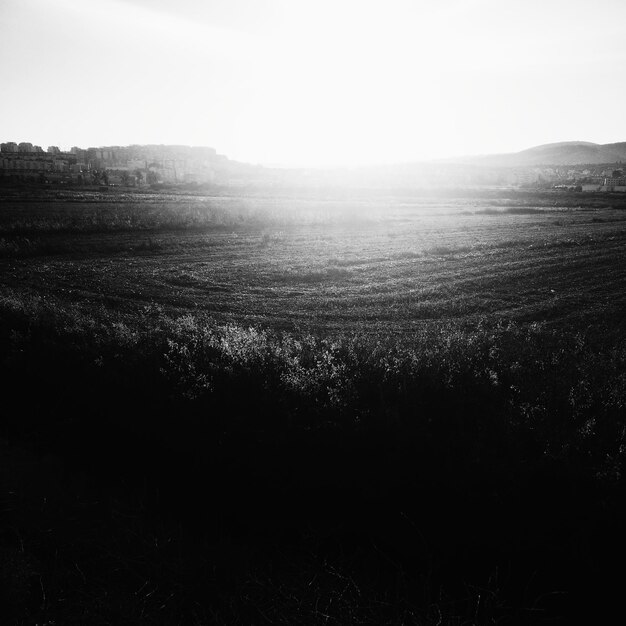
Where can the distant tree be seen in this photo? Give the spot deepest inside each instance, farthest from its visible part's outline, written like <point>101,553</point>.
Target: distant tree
<point>139,174</point>
<point>152,178</point>
<point>125,178</point>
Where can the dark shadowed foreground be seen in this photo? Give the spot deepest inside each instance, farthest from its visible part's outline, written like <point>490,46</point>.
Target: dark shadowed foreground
<point>384,416</point>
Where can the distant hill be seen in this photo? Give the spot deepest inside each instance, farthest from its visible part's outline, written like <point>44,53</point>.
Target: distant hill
<point>562,153</point>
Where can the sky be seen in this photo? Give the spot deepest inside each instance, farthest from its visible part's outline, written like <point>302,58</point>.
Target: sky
<point>314,83</point>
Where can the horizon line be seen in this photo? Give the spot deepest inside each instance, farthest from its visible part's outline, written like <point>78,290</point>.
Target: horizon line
<point>326,166</point>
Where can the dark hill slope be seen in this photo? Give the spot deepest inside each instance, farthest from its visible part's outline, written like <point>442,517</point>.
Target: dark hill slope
<point>563,153</point>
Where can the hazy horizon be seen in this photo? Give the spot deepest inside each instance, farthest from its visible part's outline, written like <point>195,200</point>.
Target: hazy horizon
<point>321,166</point>
<point>321,84</point>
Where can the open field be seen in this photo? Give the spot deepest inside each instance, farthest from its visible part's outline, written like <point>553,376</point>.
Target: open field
<point>331,410</point>
<point>365,264</point>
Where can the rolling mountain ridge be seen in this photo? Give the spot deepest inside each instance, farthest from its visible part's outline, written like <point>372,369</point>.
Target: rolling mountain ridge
<point>561,153</point>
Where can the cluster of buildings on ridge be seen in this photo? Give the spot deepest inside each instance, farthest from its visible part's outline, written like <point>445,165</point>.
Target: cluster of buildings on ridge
<point>117,165</point>
<point>135,166</point>
<point>587,178</point>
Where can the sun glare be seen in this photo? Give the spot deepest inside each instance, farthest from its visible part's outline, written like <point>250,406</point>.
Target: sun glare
<point>324,83</point>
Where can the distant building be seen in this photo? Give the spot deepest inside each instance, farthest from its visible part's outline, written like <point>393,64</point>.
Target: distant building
<point>615,184</point>
<point>592,187</point>
<point>134,165</point>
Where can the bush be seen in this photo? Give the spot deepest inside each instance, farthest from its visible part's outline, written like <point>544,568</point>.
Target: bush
<point>414,468</point>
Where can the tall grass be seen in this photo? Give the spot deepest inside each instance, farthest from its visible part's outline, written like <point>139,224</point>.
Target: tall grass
<point>394,473</point>
<point>565,390</point>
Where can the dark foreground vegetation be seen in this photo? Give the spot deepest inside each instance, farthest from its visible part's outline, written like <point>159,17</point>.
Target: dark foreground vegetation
<point>179,472</point>
<point>162,467</point>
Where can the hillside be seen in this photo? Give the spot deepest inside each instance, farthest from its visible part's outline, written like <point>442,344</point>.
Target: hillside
<point>562,153</point>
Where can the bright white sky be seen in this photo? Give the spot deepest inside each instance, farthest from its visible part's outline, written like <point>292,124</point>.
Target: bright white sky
<point>314,82</point>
